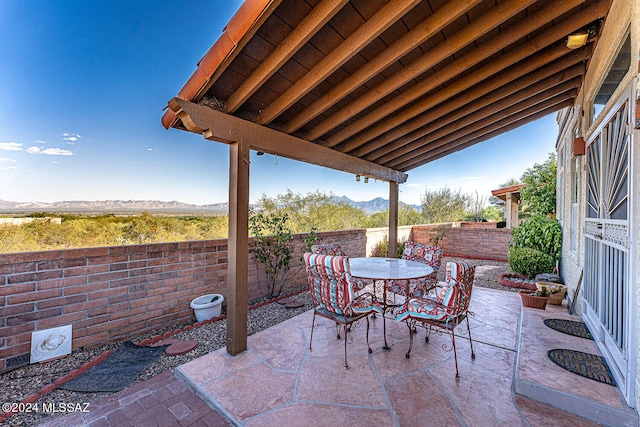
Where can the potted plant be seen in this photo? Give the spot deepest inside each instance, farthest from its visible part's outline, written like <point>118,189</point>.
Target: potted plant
<point>537,299</point>
<point>557,290</point>
<point>207,306</point>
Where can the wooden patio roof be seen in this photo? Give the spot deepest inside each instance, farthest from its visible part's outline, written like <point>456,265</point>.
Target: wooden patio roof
<point>375,88</point>
<point>379,87</point>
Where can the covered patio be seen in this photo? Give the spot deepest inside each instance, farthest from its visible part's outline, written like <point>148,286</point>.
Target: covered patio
<point>376,88</point>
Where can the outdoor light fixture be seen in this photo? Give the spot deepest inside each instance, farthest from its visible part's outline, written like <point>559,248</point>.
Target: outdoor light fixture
<point>577,40</point>
<point>358,178</point>
<point>366,179</point>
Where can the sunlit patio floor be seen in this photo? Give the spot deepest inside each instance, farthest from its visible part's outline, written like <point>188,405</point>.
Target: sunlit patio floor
<point>278,381</point>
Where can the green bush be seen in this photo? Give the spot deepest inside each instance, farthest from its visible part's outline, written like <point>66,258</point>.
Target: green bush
<point>540,233</point>
<point>530,262</point>
<point>380,250</point>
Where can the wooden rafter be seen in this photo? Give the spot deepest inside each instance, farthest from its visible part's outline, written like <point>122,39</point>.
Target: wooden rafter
<point>496,128</point>
<point>535,114</point>
<point>430,26</point>
<point>360,38</point>
<point>473,58</point>
<point>454,130</point>
<point>318,17</point>
<point>460,94</point>
<point>444,50</point>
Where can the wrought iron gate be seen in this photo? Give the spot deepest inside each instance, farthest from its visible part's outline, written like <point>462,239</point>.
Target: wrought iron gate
<point>607,283</point>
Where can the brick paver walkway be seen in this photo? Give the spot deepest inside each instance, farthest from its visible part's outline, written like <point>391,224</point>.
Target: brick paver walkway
<point>161,401</point>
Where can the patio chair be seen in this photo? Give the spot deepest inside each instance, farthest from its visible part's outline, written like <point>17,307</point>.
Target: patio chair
<point>334,297</point>
<point>446,310</point>
<point>328,249</point>
<point>430,255</point>
<point>335,249</point>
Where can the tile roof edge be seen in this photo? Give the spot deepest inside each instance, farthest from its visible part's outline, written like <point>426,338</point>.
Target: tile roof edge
<point>246,16</point>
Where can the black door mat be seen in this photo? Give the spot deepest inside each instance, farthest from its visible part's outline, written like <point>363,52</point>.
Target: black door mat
<point>584,364</point>
<point>117,371</point>
<point>571,327</point>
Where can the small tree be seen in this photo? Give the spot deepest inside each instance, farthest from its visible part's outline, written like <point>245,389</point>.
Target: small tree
<point>272,248</point>
<point>444,205</point>
<point>540,192</point>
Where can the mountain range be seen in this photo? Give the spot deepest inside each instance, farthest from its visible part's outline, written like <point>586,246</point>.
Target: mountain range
<point>154,206</point>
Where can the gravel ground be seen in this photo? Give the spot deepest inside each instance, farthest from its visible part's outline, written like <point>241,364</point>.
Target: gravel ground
<point>30,379</point>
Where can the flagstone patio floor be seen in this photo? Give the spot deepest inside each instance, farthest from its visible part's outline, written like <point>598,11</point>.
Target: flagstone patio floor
<point>278,381</point>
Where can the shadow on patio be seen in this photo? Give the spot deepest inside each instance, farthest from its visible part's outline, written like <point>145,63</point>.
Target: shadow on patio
<point>278,381</point>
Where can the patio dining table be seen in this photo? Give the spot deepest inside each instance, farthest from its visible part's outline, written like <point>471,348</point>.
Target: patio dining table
<point>379,271</point>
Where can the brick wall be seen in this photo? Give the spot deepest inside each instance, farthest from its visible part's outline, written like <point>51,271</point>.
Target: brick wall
<point>110,293</point>
<point>114,292</point>
<point>467,242</point>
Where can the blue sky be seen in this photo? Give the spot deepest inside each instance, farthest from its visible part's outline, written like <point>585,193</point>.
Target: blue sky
<point>82,89</point>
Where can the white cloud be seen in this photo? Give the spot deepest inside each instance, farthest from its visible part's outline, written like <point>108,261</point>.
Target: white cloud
<point>41,141</point>
<point>49,151</point>
<point>6,160</point>
<point>10,146</point>
<point>149,149</point>
<point>70,137</point>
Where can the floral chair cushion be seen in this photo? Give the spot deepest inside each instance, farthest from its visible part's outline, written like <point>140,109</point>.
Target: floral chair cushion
<point>332,288</point>
<point>328,249</point>
<point>451,302</point>
<point>430,255</point>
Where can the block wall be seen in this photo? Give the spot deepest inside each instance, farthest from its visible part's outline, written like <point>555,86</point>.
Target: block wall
<point>473,242</point>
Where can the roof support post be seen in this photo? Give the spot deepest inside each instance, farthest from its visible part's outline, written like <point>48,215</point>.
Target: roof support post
<point>238,249</point>
<point>392,251</point>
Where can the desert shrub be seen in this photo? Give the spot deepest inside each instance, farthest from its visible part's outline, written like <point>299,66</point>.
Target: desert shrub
<point>272,247</point>
<point>380,250</point>
<point>530,262</point>
<point>540,233</point>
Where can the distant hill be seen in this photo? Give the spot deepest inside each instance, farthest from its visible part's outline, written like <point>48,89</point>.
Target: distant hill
<point>372,206</point>
<point>154,206</point>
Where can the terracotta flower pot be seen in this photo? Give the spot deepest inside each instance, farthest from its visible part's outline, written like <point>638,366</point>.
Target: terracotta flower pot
<point>529,299</point>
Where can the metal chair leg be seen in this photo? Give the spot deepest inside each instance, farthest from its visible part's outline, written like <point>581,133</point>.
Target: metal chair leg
<point>368,345</point>
<point>408,355</point>
<point>346,365</point>
<point>473,355</point>
<point>313,325</point>
<point>455,356</point>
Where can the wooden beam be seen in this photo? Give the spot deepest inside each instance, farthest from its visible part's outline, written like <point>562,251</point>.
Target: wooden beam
<point>371,29</point>
<point>474,57</point>
<point>479,113</point>
<point>445,50</point>
<point>222,127</point>
<point>238,248</point>
<point>392,249</point>
<point>484,124</point>
<point>505,124</point>
<point>461,145</point>
<point>319,16</point>
<point>422,32</point>
<point>449,99</point>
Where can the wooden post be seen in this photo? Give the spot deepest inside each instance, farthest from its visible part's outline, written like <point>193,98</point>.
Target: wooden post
<point>238,250</point>
<point>508,209</point>
<point>392,251</point>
